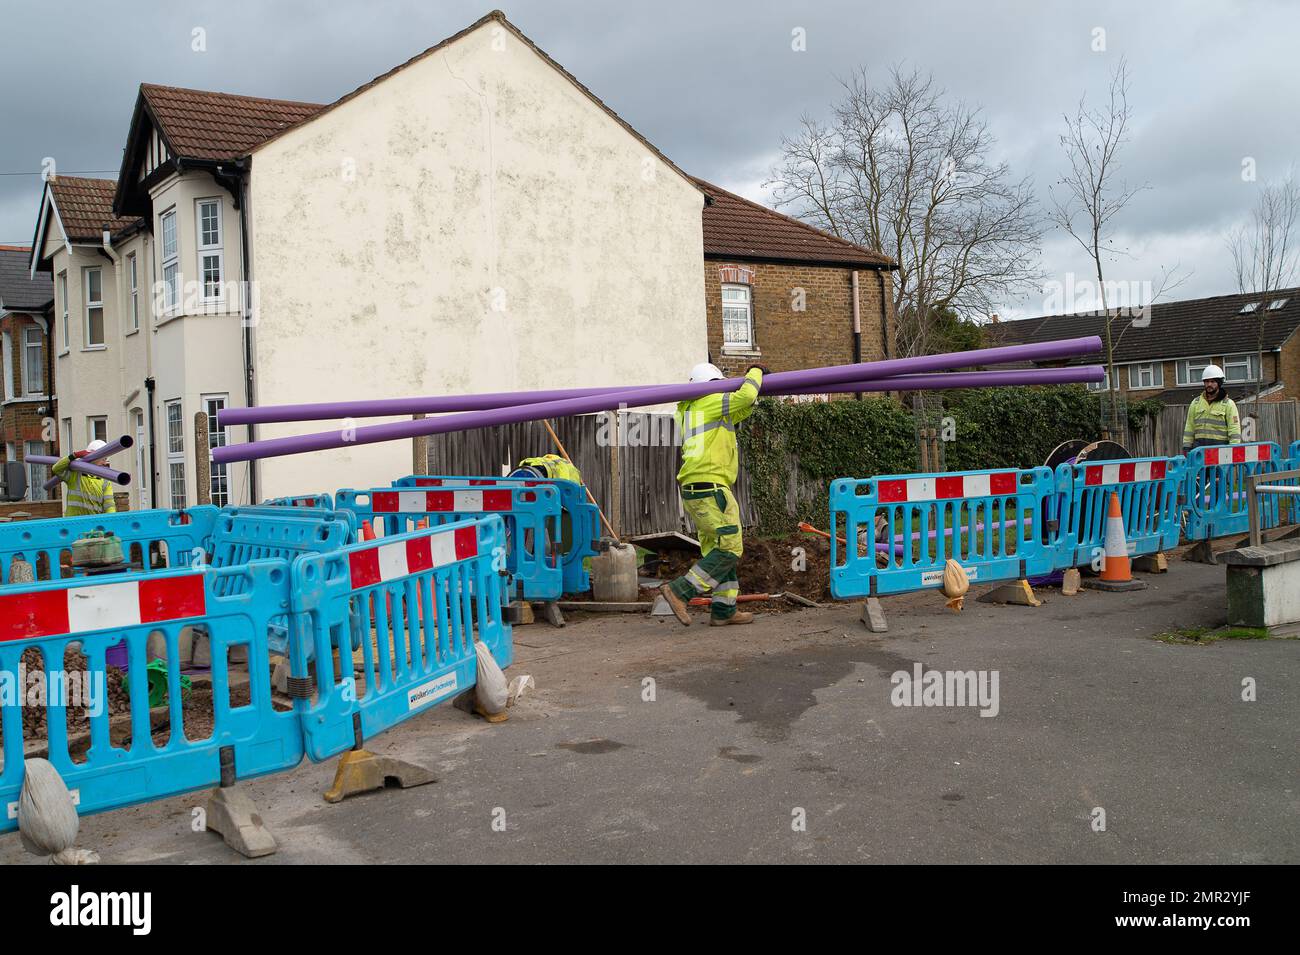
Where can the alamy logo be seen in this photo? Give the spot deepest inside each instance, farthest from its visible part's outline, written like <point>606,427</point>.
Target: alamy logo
<point>924,687</point>
<point>74,907</point>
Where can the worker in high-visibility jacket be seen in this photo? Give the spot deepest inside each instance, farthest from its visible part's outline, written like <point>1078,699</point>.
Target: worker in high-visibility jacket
<point>84,493</point>
<point>709,465</point>
<point>1212,416</point>
<point>552,466</point>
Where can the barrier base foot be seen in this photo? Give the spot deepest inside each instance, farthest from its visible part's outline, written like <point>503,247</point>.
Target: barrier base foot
<point>233,816</point>
<point>553,614</point>
<point>1017,592</point>
<point>1152,563</point>
<point>523,612</point>
<point>1115,586</point>
<point>1202,553</point>
<point>360,771</point>
<point>873,615</point>
<point>1071,581</point>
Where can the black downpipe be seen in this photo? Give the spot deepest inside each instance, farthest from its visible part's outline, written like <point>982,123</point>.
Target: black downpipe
<point>149,384</point>
<point>238,186</point>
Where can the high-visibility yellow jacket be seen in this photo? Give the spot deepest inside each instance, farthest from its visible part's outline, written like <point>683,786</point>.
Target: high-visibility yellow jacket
<point>554,466</point>
<point>83,493</point>
<point>1214,422</point>
<point>709,432</point>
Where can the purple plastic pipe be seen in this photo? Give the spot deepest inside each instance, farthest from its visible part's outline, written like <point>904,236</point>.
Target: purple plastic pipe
<point>776,383</point>
<point>813,378</point>
<point>960,379</point>
<point>85,467</point>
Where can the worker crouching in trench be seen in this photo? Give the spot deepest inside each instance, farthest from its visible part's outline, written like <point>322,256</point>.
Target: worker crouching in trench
<point>709,467</point>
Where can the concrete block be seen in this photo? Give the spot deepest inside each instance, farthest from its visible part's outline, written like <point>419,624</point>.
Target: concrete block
<point>231,813</point>
<point>1151,563</point>
<point>1016,592</point>
<point>553,614</point>
<point>873,615</point>
<point>525,611</point>
<point>1071,582</point>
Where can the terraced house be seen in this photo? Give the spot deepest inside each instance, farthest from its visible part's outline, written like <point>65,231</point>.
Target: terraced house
<point>1161,355</point>
<point>473,220</point>
<point>28,403</point>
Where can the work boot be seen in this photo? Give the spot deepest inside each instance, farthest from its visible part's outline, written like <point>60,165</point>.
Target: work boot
<point>676,604</point>
<point>738,617</point>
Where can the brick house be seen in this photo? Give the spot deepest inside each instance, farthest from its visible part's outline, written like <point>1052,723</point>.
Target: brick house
<point>28,404</point>
<point>1162,353</point>
<point>788,296</point>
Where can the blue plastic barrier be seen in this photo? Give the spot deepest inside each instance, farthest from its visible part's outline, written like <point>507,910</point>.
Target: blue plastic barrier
<point>994,523</point>
<point>153,539</point>
<point>1148,490</point>
<point>531,516</point>
<point>302,500</point>
<point>128,764</point>
<point>577,542</point>
<point>1214,488</point>
<point>416,601</point>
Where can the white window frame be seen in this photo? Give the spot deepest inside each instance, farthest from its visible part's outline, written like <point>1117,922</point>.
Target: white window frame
<point>1104,384</point>
<point>175,452</point>
<point>37,366</point>
<point>37,474</point>
<point>169,260</point>
<point>91,430</point>
<point>734,305</point>
<point>8,346</point>
<point>63,305</point>
<point>91,303</point>
<point>133,276</point>
<point>141,455</point>
<point>209,250</point>
<point>1157,371</point>
<point>1277,303</point>
<point>218,474</point>
<point>1252,368</point>
<point>1183,371</point>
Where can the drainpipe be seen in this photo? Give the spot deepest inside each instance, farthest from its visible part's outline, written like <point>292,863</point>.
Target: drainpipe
<point>237,183</point>
<point>153,471</point>
<point>107,243</point>
<point>857,327</point>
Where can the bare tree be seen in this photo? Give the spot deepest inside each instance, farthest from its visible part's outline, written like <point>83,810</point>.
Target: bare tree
<point>904,170</point>
<point>1088,198</point>
<point>1266,254</point>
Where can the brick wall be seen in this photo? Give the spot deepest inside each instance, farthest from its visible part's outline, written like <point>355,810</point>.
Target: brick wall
<point>787,338</point>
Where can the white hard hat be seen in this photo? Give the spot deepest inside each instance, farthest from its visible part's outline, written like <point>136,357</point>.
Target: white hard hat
<point>1212,371</point>
<point>96,445</point>
<point>705,371</point>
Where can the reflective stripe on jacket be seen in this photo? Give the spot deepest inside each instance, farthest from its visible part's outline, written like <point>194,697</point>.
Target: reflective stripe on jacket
<point>708,428</point>
<point>1211,422</point>
<point>83,493</point>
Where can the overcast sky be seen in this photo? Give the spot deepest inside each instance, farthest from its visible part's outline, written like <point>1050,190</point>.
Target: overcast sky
<point>715,85</point>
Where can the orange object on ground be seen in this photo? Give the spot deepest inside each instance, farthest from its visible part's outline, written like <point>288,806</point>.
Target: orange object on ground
<point>809,529</point>
<point>1115,564</point>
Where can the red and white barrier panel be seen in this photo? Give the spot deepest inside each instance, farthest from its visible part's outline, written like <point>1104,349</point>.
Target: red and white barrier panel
<point>907,490</point>
<point>1238,454</point>
<point>452,502</point>
<point>1124,473</point>
<point>386,562</point>
<point>474,482</point>
<point>51,613</point>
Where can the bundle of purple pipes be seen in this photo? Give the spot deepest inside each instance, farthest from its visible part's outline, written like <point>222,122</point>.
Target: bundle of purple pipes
<point>490,410</point>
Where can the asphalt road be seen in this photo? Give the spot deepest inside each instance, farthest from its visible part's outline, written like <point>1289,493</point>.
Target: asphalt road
<point>778,742</point>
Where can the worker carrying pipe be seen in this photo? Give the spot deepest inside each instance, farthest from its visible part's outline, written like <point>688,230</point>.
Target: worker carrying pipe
<point>709,466</point>
<point>85,493</point>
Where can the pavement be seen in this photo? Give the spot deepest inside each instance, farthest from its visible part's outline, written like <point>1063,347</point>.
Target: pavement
<point>646,741</point>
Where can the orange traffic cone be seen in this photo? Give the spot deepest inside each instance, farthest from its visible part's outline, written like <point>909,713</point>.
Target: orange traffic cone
<point>1116,568</point>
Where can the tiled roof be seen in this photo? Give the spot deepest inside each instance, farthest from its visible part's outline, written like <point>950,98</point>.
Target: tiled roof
<point>735,228</point>
<point>18,290</point>
<point>200,124</point>
<point>1192,328</point>
<point>85,205</point>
